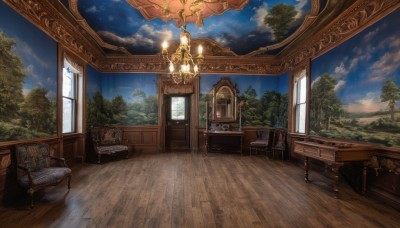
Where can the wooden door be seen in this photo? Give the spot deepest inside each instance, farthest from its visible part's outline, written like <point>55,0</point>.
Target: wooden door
<point>177,132</point>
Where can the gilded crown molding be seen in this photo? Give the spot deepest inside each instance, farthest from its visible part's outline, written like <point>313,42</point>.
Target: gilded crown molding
<point>357,17</point>
<point>50,20</point>
<point>219,60</point>
<point>211,65</point>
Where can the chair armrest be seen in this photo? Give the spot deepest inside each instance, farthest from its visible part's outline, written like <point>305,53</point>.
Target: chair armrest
<point>59,159</point>
<point>28,171</point>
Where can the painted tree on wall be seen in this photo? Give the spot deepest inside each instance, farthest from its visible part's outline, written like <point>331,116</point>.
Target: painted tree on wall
<point>11,79</point>
<point>270,110</point>
<point>22,116</point>
<point>38,111</point>
<point>325,106</point>
<point>391,94</point>
<point>143,111</point>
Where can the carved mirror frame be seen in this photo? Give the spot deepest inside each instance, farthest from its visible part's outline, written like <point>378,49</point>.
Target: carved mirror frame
<point>224,84</point>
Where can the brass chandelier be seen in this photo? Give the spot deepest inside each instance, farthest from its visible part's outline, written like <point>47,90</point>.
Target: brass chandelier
<point>183,67</point>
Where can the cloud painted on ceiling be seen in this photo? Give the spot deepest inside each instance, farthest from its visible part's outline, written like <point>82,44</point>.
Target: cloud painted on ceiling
<point>244,31</point>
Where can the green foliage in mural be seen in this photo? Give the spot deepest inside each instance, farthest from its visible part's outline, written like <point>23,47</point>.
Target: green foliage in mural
<point>142,111</point>
<point>22,117</point>
<point>280,18</point>
<point>11,79</point>
<point>328,118</point>
<point>38,112</point>
<point>325,106</point>
<point>391,94</point>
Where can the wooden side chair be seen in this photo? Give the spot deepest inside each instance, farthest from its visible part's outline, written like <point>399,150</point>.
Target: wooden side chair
<point>263,141</point>
<point>35,170</point>
<point>279,142</point>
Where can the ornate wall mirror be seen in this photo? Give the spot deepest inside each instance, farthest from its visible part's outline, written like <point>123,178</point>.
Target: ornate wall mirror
<point>224,101</point>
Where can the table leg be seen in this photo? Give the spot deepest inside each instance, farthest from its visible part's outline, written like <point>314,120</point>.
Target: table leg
<point>205,145</point>
<point>306,169</point>
<point>335,169</point>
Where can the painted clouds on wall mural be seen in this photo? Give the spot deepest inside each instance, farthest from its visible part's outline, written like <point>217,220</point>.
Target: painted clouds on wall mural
<point>355,90</point>
<point>28,79</point>
<point>258,24</point>
<point>122,99</point>
<point>264,99</point>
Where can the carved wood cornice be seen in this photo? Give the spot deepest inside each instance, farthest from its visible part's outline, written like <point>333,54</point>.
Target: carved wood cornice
<point>357,17</point>
<point>211,65</point>
<point>50,20</point>
<point>220,60</point>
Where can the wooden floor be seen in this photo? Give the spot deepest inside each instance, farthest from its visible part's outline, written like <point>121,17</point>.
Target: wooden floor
<point>187,190</point>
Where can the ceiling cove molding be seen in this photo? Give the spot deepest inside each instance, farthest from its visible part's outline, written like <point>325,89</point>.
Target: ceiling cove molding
<point>46,17</point>
<point>359,16</point>
<point>211,65</point>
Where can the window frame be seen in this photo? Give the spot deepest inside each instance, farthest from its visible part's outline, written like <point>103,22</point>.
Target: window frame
<point>300,103</point>
<point>184,108</point>
<point>74,76</point>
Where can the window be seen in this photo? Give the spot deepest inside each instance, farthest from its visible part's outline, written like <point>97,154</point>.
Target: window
<point>300,99</point>
<point>178,108</point>
<point>69,100</point>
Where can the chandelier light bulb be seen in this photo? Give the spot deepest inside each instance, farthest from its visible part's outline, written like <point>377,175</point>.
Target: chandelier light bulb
<point>200,50</point>
<point>196,68</point>
<point>164,45</point>
<point>171,67</point>
<point>184,40</point>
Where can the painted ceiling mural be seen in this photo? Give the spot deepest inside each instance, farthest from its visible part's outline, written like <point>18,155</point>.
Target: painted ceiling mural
<point>259,23</point>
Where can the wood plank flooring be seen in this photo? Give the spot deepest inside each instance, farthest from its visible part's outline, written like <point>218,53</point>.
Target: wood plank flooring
<point>186,190</point>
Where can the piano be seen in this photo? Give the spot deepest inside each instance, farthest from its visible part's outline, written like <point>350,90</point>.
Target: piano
<point>335,153</point>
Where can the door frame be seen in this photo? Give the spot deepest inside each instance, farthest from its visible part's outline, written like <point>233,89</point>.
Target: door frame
<point>166,87</point>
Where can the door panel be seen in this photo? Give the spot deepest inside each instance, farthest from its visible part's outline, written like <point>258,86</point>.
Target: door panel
<point>178,122</point>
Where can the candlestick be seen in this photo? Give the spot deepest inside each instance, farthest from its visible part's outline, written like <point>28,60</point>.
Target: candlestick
<point>206,115</point>
<point>240,117</point>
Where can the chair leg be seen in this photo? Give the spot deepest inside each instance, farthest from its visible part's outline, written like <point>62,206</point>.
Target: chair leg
<point>98,158</point>
<point>30,192</point>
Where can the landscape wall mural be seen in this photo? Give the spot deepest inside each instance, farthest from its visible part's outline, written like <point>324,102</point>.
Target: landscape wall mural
<point>28,79</point>
<point>355,89</point>
<point>264,99</point>
<point>122,99</point>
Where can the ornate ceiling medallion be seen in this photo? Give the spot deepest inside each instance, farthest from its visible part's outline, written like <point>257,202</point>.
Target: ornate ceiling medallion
<point>183,11</point>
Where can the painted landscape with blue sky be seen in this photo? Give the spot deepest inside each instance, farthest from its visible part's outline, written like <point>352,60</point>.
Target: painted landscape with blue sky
<point>28,79</point>
<point>242,31</point>
<point>363,74</point>
<point>37,51</point>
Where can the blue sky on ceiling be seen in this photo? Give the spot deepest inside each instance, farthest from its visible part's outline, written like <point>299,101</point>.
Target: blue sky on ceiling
<point>242,31</point>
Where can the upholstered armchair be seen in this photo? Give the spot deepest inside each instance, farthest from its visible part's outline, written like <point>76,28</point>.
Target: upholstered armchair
<point>108,141</point>
<point>263,141</point>
<point>35,170</point>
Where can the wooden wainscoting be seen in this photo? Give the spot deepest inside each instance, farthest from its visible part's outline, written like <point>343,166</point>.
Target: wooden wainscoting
<point>73,148</point>
<point>142,138</point>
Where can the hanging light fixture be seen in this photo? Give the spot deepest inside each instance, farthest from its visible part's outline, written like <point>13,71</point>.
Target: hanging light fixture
<point>183,67</point>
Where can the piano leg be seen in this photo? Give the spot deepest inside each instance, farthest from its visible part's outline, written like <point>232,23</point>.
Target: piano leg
<point>306,169</point>
<point>335,169</point>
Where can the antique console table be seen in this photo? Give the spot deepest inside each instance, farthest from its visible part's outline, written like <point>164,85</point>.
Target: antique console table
<point>335,153</point>
<point>223,141</point>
